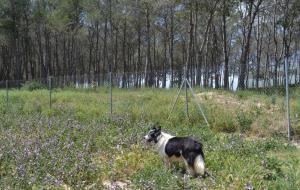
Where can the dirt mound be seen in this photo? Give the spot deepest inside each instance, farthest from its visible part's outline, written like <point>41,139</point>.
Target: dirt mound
<point>232,102</point>
<point>266,116</point>
<point>219,99</point>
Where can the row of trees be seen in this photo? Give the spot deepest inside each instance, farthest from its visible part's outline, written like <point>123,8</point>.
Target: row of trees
<point>153,40</point>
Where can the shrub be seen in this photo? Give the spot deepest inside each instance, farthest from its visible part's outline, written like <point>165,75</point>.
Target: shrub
<point>244,120</point>
<point>296,114</point>
<point>296,131</point>
<point>244,94</point>
<point>224,122</point>
<point>296,108</point>
<point>3,105</point>
<point>273,99</point>
<point>273,170</point>
<point>33,85</point>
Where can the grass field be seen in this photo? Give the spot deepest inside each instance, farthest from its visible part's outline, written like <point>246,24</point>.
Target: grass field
<point>77,145</point>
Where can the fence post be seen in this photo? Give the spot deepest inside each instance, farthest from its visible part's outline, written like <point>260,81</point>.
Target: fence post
<point>287,97</point>
<point>6,84</point>
<point>50,92</point>
<point>110,93</point>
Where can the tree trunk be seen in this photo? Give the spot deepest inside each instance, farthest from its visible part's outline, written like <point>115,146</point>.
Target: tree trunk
<point>139,61</point>
<point>258,52</point>
<point>149,76</point>
<point>105,53</point>
<point>245,54</point>
<point>165,53</point>
<point>226,57</point>
<point>124,54</point>
<point>172,46</point>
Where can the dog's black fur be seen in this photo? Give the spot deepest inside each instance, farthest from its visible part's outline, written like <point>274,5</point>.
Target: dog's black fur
<point>186,147</point>
<point>178,148</point>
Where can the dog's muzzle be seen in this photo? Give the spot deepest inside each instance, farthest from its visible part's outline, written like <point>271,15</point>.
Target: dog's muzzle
<point>147,138</point>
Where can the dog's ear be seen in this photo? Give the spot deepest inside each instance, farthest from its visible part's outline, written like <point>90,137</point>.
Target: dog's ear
<point>159,128</point>
<point>155,126</point>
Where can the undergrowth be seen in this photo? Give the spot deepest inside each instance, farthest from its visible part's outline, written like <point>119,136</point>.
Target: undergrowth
<point>78,145</point>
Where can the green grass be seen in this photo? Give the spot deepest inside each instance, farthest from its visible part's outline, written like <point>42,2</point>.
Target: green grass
<point>77,144</point>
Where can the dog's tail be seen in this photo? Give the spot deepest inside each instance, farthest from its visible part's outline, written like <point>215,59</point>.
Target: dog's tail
<point>199,165</point>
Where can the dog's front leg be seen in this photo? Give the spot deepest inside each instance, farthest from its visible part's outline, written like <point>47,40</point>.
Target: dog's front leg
<point>167,163</point>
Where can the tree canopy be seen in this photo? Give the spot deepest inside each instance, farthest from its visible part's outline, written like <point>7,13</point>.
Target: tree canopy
<point>150,42</point>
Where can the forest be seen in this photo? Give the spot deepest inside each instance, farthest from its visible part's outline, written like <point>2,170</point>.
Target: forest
<point>151,42</point>
<point>83,81</point>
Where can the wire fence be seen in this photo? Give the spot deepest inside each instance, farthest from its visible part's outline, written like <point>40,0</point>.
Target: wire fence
<point>286,89</point>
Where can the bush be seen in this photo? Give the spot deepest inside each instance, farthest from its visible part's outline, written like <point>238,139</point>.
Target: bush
<point>3,105</point>
<point>273,99</point>
<point>244,94</point>
<point>296,108</point>
<point>296,130</point>
<point>296,114</point>
<point>244,120</point>
<point>224,122</point>
<point>272,168</point>
<point>33,85</point>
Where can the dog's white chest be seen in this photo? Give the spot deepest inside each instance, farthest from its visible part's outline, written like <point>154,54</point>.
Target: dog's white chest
<point>161,144</point>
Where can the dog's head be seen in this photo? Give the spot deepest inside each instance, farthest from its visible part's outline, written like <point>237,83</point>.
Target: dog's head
<point>153,134</point>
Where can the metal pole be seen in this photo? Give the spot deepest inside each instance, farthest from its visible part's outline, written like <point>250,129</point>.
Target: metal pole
<point>7,94</point>
<point>287,97</point>
<point>50,92</point>
<point>176,99</point>
<point>186,94</point>
<point>110,93</point>
<point>200,108</point>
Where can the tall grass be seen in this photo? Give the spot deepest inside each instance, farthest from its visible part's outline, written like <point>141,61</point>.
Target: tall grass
<point>78,144</point>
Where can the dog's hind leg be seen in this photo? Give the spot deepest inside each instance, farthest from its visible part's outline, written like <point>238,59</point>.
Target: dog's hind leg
<point>189,169</point>
<point>199,165</point>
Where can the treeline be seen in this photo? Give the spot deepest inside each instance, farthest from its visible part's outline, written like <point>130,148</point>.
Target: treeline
<point>150,42</point>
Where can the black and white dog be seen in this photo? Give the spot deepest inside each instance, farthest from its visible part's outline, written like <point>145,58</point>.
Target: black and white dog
<point>183,149</point>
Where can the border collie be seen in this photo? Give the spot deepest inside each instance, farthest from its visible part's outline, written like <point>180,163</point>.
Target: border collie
<point>173,148</point>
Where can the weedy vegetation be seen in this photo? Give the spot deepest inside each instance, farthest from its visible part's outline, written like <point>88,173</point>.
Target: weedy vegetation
<point>78,145</point>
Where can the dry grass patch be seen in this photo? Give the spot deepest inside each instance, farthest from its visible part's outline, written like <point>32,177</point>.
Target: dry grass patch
<point>253,115</point>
